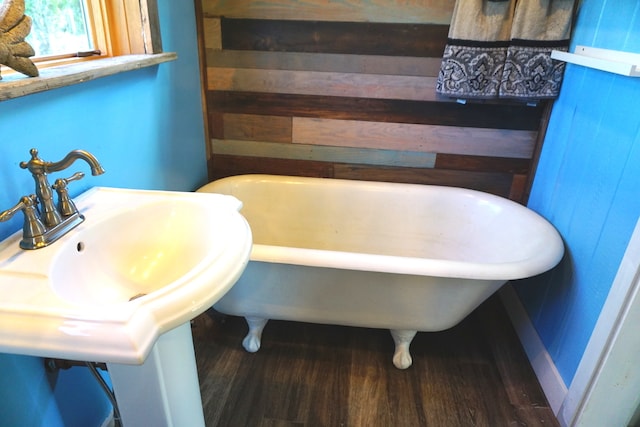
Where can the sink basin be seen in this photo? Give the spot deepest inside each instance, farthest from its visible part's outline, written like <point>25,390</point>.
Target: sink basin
<point>142,263</point>
<point>135,252</point>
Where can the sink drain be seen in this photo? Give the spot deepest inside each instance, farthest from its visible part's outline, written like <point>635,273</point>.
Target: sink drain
<point>136,296</point>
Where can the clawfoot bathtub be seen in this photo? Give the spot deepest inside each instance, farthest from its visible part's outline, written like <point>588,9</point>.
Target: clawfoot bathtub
<point>402,257</point>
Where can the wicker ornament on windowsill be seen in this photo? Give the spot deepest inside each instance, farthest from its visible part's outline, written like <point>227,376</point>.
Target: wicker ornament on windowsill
<point>14,28</point>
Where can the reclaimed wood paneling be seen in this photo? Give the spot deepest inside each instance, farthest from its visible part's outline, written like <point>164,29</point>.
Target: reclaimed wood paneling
<point>328,62</point>
<point>490,116</point>
<point>212,34</point>
<point>480,163</point>
<point>424,138</point>
<point>408,159</point>
<point>318,82</point>
<point>361,38</point>
<point>411,11</point>
<point>251,127</point>
<point>347,89</point>
<point>518,187</point>
<point>227,165</point>
<point>495,183</point>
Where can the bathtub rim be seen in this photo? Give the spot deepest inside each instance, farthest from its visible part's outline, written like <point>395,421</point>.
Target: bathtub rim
<point>402,264</point>
<point>513,270</point>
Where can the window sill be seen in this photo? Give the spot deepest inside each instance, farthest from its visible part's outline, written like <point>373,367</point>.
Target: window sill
<point>15,85</point>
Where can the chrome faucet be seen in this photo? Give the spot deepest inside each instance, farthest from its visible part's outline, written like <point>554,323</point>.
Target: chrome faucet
<point>51,222</point>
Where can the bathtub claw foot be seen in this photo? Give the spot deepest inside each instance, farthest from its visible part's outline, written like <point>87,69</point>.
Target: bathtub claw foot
<point>402,338</point>
<point>251,342</point>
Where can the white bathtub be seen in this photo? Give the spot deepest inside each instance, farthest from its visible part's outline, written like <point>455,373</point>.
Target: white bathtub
<point>398,256</point>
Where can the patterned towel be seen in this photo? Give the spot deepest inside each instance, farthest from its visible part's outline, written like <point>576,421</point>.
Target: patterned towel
<point>502,48</point>
<point>538,28</point>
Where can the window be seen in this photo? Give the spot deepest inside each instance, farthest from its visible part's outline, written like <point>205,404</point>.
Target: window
<point>125,32</point>
<point>59,27</point>
<point>72,29</point>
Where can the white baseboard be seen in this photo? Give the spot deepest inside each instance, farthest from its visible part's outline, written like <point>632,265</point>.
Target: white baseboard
<point>109,421</point>
<point>552,384</point>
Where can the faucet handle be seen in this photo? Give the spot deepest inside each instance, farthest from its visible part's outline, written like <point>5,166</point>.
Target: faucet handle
<point>65,204</point>
<point>25,202</point>
<point>33,228</point>
<point>35,164</point>
<point>62,182</point>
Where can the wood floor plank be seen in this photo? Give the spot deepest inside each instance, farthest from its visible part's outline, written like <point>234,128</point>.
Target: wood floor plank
<point>217,375</point>
<point>367,400</point>
<point>530,406</point>
<point>306,375</point>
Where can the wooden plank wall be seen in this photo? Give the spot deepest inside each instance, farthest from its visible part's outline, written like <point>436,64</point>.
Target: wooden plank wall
<point>346,89</point>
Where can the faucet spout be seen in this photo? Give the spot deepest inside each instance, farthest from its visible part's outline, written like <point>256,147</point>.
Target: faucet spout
<point>96,168</point>
<point>37,166</point>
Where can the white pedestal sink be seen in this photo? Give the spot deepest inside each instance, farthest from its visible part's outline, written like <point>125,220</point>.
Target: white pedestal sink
<point>164,390</point>
<point>122,287</point>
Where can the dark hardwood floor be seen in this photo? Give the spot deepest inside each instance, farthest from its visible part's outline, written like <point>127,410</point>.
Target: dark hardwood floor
<point>475,374</point>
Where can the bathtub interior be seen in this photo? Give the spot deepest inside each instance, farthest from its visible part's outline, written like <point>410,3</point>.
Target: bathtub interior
<point>400,220</point>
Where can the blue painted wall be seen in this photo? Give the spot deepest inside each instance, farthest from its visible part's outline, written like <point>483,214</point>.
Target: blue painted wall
<point>587,184</point>
<point>146,127</point>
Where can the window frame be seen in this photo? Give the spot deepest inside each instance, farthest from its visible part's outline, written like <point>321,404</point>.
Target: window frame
<point>125,27</point>
<point>117,27</point>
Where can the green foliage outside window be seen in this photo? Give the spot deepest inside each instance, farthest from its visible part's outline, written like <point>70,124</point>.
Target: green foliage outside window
<point>58,27</point>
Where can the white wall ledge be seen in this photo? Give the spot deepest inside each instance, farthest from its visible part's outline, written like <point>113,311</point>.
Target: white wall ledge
<point>613,61</point>
<point>15,85</point>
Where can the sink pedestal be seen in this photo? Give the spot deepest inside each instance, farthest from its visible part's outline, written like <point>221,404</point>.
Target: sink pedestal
<point>164,390</point>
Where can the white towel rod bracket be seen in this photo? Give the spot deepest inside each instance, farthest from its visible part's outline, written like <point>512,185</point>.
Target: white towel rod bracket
<point>613,61</point>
